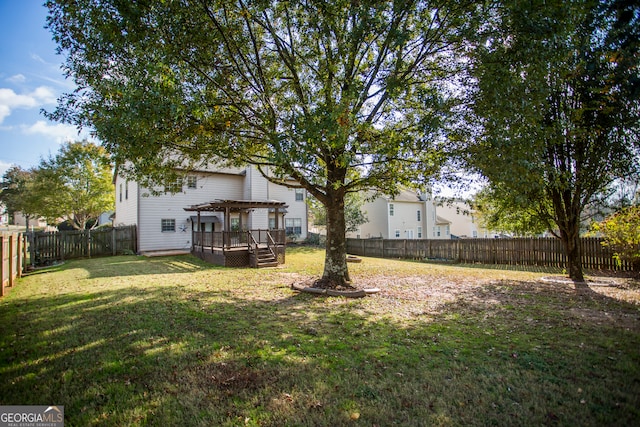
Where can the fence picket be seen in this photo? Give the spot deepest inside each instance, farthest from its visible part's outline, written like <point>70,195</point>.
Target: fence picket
<point>544,252</point>
<point>46,247</point>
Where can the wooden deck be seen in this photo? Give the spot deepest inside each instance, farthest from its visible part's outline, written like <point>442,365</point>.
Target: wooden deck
<point>251,248</point>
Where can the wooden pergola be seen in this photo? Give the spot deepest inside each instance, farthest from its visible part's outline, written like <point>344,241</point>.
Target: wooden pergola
<point>256,248</point>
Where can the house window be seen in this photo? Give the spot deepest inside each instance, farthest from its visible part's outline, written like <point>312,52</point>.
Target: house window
<point>126,190</point>
<point>418,215</point>
<point>299,195</point>
<point>192,182</point>
<point>173,187</point>
<point>168,225</point>
<point>419,231</point>
<point>272,223</point>
<point>120,192</point>
<point>235,224</point>
<point>447,230</point>
<point>293,225</point>
<point>397,234</point>
<point>438,231</point>
<point>390,209</point>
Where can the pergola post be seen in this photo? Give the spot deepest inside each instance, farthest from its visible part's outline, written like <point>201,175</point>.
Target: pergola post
<point>201,233</point>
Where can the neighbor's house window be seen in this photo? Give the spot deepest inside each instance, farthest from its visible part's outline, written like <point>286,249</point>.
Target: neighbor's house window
<point>419,231</point>
<point>173,187</point>
<point>120,192</point>
<point>438,232</point>
<point>397,234</point>
<point>390,209</point>
<point>272,223</point>
<point>168,225</point>
<point>418,215</point>
<point>126,190</point>
<point>299,194</point>
<point>192,182</point>
<point>447,230</point>
<point>293,225</point>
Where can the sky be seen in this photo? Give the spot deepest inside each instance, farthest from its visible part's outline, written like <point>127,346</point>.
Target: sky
<point>31,79</point>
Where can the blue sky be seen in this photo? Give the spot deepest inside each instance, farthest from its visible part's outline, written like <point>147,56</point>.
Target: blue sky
<point>31,79</point>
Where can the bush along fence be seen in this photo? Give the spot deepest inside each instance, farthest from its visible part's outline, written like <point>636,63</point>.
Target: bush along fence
<point>13,256</point>
<point>48,247</point>
<point>546,252</point>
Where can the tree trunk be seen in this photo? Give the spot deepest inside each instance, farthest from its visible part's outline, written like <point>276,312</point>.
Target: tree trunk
<point>336,272</point>
<point>573,251</point>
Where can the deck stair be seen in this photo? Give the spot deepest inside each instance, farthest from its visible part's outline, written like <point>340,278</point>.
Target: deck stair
<point>266,258</point>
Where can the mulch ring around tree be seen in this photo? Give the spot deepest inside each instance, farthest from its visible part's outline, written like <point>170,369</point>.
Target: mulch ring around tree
<point>329,288</point>
<point>565,280</point>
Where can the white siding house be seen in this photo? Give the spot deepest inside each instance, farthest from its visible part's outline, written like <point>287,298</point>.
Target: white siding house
<point>164,225</point>
<point>463,219</point>
<point>408,215</point>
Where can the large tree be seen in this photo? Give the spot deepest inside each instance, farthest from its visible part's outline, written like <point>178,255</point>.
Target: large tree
<point>341,95</point>
<point>557,89</point>
<point>76,185</point>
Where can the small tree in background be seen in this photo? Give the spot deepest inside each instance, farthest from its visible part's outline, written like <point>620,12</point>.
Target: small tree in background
<point>75,185</point>
<point>16,193</point>
<point>621,233</point>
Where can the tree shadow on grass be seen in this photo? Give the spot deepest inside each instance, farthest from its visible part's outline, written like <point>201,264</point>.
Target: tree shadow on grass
<point>175,355</point>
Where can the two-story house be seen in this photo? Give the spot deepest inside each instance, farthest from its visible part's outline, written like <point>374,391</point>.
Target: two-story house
<point>164,223</point>
<point>408,215</point>
<point>464,220</point>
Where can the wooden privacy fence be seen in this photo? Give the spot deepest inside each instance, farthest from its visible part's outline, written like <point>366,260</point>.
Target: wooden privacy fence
<point>546,252</point>
<point>47,247</point>
<point>12,259</point>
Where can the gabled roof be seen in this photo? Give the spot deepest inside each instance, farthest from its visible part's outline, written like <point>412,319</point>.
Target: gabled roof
<point>405,196</point>
<point>440,220</point>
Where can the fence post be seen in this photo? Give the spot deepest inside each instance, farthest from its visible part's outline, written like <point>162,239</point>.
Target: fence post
<point>1,265</point>
<point>19,256</point>
<point>24,251</point>
<point>11,262</point>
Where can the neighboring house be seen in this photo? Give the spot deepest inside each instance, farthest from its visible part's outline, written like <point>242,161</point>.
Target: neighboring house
<point>408,215</point>
<point>164,225</point>
<point>20,220</point>
<point>463,220</point>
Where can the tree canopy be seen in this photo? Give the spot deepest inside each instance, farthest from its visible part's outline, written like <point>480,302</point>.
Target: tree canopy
<point>556,114</point>
<point>15,192</point>
<point>621,232</point>
<point>342,96</point>
<point>76,185</point>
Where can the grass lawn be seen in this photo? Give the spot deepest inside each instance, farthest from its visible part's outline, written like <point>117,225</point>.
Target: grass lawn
<point>174,341</point>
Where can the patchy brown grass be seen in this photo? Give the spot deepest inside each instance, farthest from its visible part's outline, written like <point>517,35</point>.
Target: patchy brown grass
<point>174,341</point>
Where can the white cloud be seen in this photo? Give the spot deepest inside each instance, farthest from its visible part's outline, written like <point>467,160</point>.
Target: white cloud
<point>59,132</point>
<point>18,78</point>
<point>10,100</point>
<point>38,58</point>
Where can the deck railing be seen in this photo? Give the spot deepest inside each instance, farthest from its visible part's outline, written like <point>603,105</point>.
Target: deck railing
<point>236,239</point>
